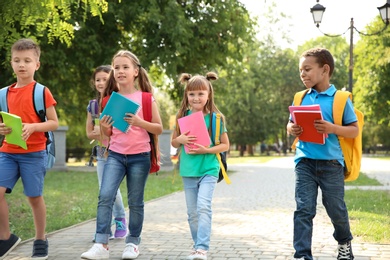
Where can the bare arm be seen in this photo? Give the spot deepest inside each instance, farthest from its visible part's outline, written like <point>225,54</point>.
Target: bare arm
<point>348,131</point>
<point>93,132</point>
<point>50,125</point>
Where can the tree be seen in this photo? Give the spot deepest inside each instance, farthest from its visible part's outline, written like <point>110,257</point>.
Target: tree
<point>260,89</point>
<point>19,18</point>
<point>169,37</point>
<point>372,88</point>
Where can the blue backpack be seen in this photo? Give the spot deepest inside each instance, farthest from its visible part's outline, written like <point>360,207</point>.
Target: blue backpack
<point>40,110</point>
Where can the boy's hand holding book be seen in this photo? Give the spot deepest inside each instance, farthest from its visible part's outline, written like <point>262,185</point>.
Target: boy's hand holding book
<point>13,134</point>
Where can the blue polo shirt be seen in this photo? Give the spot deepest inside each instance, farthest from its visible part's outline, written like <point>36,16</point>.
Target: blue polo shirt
<point>331,150</point>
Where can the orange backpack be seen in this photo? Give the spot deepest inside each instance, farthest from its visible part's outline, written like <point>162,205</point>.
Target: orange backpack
<point>351,147</point>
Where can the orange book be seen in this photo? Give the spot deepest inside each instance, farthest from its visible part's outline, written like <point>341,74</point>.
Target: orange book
<point>197,126</point>
<point>305,118</point>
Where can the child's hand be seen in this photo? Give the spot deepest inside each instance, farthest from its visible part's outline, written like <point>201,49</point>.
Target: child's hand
<point>296,130</point>
<point>186,139</point>
<point>27,131</point>
<point>106,122</point>
<point>324,127</point>
<point>4,130</point>
<point>197,149</point>
<point>133,120</point>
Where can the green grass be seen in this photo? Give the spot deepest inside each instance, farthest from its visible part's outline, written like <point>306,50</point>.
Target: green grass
<point>363,180</point>
<point>369,213</point>
<point>71,198</point>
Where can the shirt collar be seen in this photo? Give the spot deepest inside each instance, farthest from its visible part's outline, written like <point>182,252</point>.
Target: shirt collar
<point>330,91</point>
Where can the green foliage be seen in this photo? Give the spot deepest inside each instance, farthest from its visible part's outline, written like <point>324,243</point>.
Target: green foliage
<point>169,37</point>
<point>257,78</point>
<point>369,212</point>
<point>363,180</point>
<point>372,88</point>
<point>19,18</point>
<point>260,88</point>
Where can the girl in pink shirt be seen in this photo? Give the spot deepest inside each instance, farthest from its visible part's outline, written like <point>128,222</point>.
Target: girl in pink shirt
<point>128,157</point>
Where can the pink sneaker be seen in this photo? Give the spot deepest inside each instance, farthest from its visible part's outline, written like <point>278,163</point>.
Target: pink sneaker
<point>121,228</point>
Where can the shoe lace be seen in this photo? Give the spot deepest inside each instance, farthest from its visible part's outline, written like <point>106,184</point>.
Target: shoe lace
<point>120,225</point>
<point>344,252</point>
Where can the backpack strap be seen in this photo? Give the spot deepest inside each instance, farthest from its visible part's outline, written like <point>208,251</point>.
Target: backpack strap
<point>39,101</point>
<point>339,103</point>
<point>147,106</point>
<point>216,131</point>
<point>3,107</point>
<point>40,105</point>
<point>298,97</point>
<point>3,99</point>
<point>147,113</point>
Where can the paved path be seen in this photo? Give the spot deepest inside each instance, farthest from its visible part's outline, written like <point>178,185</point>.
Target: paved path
<point>252,220</point>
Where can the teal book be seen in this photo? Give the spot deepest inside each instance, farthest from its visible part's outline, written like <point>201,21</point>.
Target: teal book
<point>14,122</point>
<point>117,107</point>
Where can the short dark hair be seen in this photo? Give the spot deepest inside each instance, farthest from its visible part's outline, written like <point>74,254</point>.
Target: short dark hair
<point>26,44</point>
<point>323,56</point>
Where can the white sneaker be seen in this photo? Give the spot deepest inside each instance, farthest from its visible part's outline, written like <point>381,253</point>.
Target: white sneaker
<point>198,255</point>
<point>130,252</point>
<point>97,251</point>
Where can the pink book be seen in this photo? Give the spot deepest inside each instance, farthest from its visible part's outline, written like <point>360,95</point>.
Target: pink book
<point>306,107</point>
<point>197,126</point>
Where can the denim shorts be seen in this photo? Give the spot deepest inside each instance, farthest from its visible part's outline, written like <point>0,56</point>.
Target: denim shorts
<point>30,167</point>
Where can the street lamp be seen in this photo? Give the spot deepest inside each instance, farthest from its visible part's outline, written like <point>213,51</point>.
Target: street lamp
<point>318,11</point>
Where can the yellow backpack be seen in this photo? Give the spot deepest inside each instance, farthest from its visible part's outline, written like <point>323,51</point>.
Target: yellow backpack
<point>351,147</point>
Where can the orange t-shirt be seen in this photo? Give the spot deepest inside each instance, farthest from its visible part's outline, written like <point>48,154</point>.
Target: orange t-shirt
<point>20,102</point>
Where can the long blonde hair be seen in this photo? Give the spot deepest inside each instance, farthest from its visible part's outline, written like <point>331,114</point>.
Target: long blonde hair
<point>142,80</point>
<point>144,84</point>
<point>194,83</point>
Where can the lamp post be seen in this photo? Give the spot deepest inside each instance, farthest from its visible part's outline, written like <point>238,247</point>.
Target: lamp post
<point>318,11</point>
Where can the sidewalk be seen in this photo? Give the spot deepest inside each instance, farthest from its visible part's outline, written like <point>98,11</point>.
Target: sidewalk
<point>252,220</point>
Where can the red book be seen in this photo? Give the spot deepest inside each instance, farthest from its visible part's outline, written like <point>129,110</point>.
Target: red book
<point>305,118</point>
<point>197,126</point>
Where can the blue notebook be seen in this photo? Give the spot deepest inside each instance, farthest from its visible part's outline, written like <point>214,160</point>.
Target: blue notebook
<point>117,107</point>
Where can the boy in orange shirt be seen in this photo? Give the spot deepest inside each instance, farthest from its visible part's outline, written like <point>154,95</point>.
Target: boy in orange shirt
<point>16,162</point>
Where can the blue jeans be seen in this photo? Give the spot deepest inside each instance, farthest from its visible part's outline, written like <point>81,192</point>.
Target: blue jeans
<point>119,208</point>
<point>135,168</point>
<point>329,176</point>
<point>199,194</point>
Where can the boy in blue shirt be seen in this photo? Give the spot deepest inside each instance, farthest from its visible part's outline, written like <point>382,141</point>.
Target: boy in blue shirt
<point>321,165</point>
